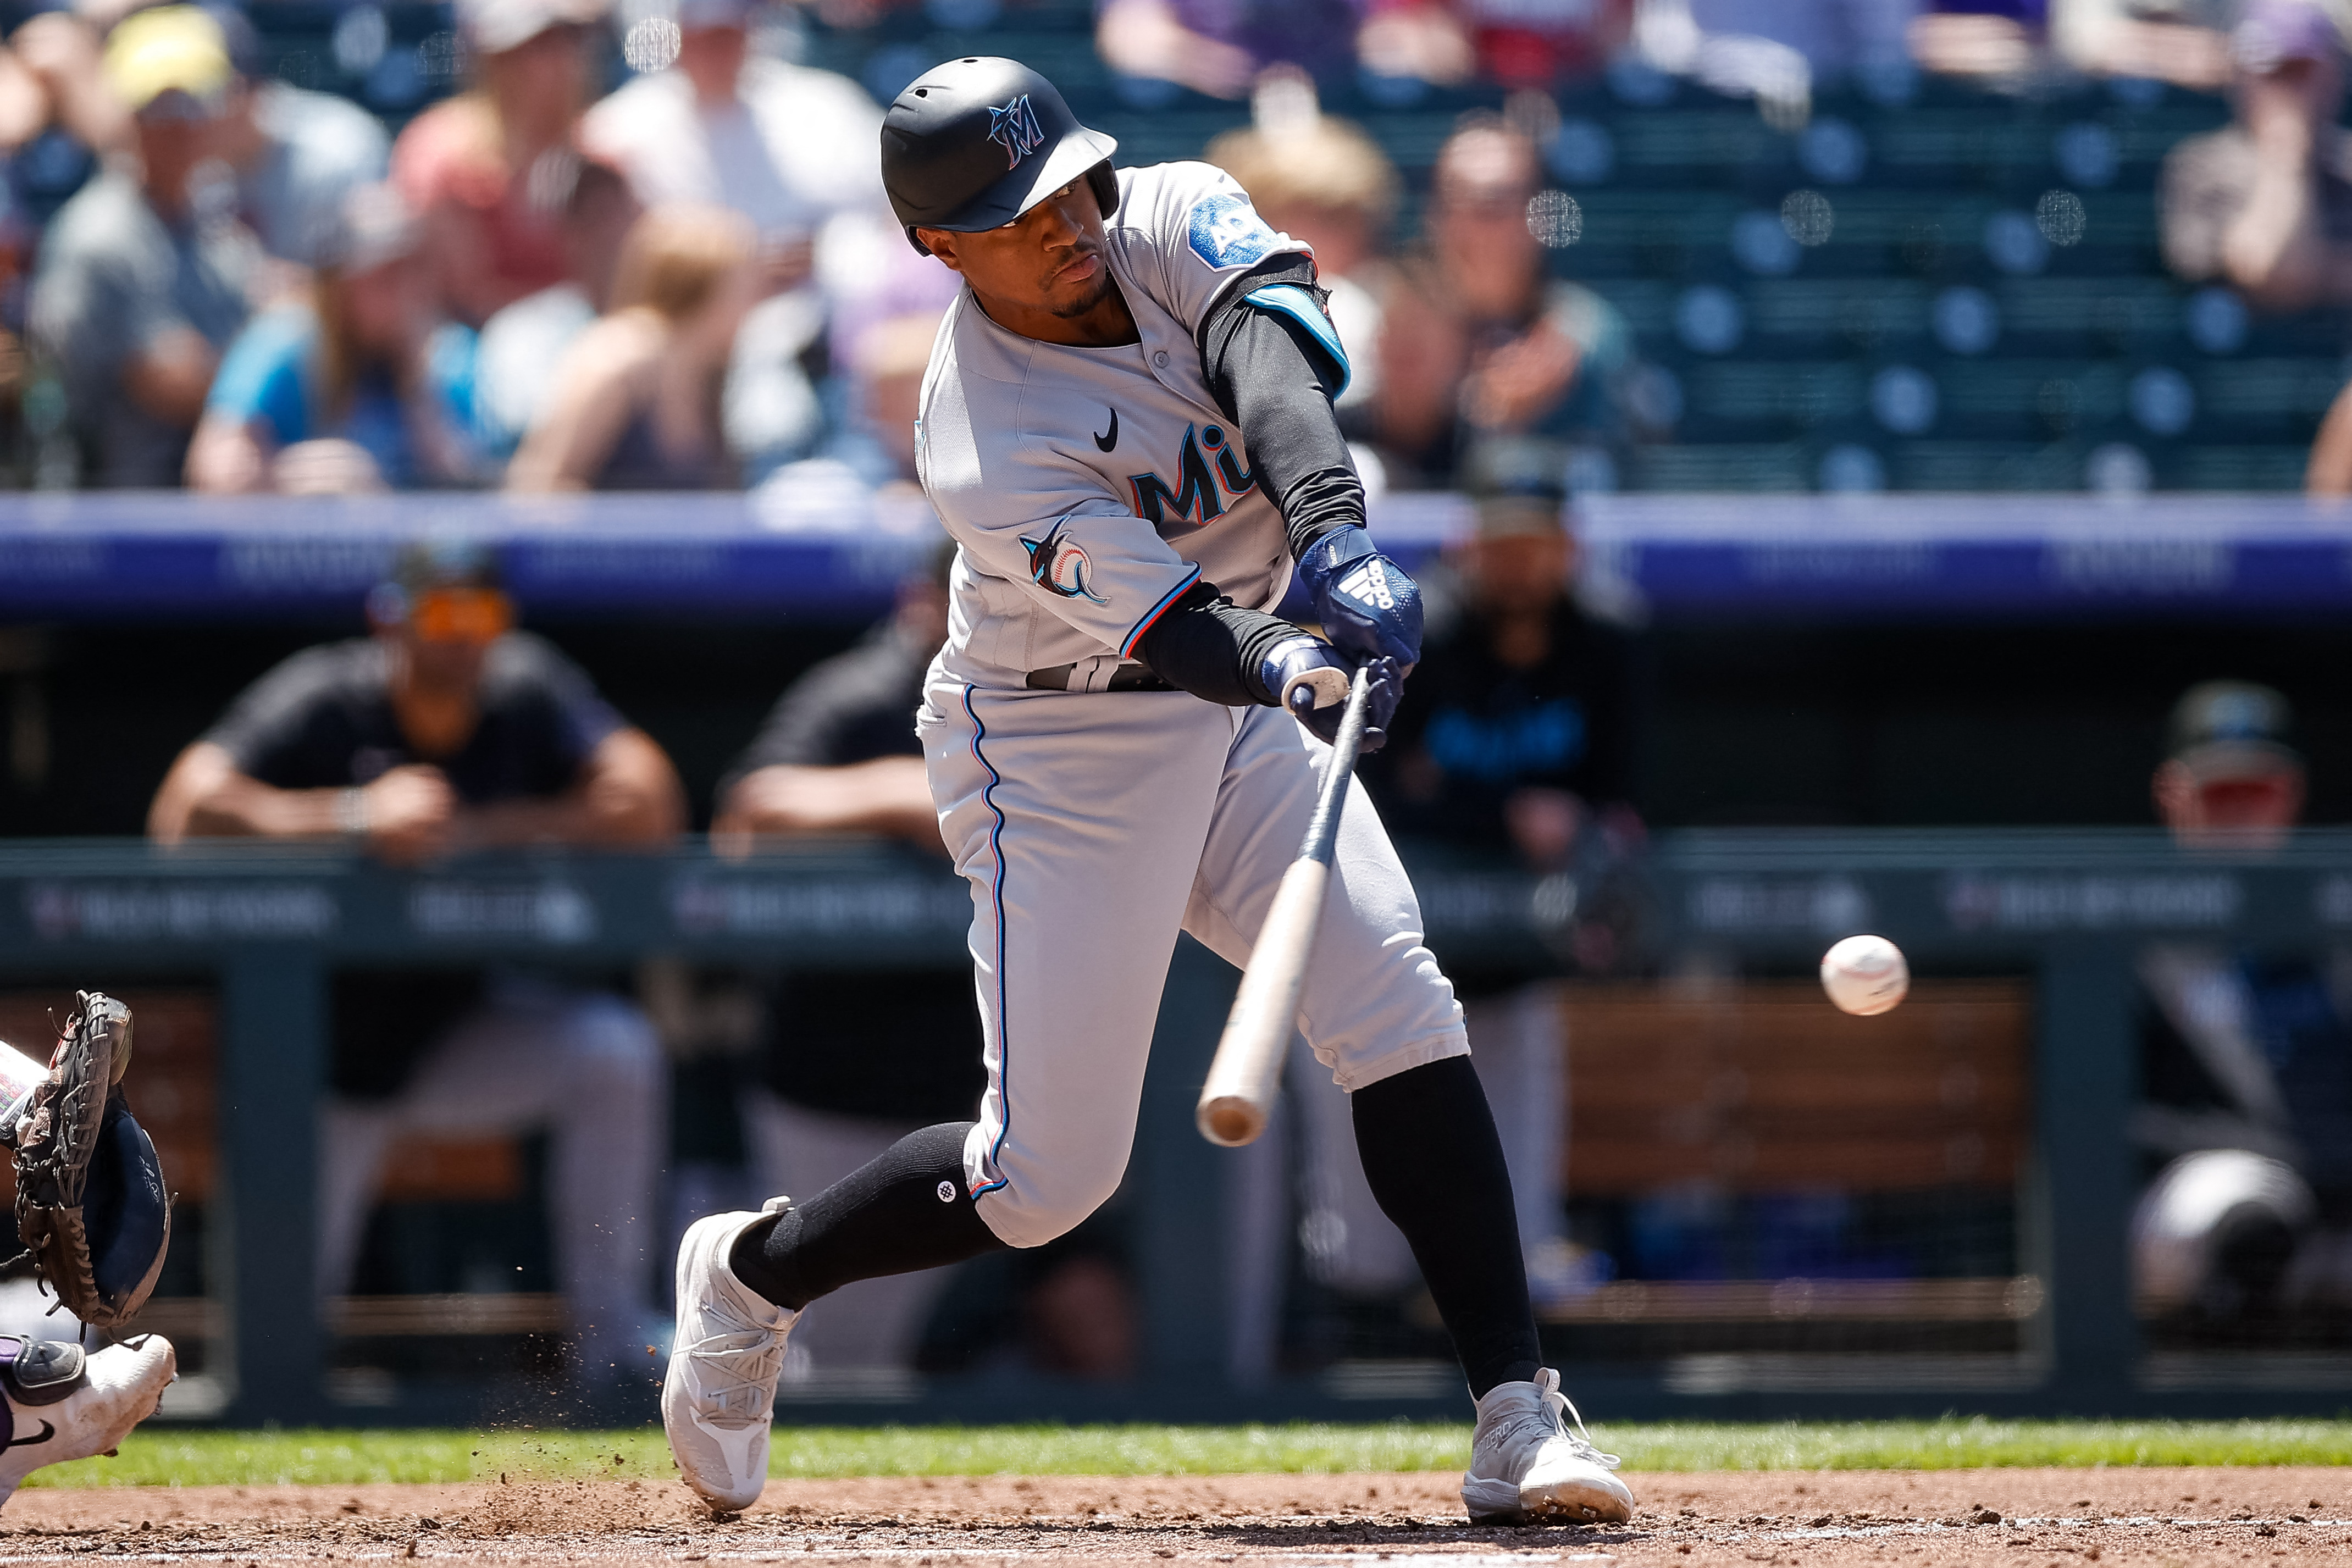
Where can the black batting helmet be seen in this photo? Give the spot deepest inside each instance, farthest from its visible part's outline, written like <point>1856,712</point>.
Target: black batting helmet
<point>974,143</point>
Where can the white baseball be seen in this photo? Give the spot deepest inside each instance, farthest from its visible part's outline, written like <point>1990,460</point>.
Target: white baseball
<point>1865,975</point>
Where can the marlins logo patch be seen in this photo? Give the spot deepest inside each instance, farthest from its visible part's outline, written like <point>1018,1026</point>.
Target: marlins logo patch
<point>1014,128</point>
<point>1058,566</point>
<point>1227,231</point>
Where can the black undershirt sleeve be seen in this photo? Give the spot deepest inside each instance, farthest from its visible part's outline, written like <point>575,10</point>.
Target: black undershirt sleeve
<point>1275,382</point>
<point>1211,647</point>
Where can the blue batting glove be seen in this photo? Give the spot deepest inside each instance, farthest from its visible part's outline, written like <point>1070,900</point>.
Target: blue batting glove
<point>1369,607</point>
<point>1311,678</point>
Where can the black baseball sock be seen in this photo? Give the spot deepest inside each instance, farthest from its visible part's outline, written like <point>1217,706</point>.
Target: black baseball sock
<point>902,1210</point>
<point>1435,1165</point>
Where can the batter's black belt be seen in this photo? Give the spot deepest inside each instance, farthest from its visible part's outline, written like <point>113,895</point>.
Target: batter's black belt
<point>1125,679</point>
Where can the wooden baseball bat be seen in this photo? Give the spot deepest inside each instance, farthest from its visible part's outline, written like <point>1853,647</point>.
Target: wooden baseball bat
<point>1247,1070</point>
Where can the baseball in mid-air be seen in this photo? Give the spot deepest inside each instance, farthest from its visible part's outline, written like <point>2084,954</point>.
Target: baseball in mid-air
<point>1865,975</point>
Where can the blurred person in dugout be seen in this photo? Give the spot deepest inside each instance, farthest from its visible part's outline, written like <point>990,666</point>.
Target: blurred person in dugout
<point>635,404</point>
<point>142,278</point>
<point>791,149</point>
<point>445,731</point>
<point>483,169</point>
<point>1326,182</point>
<point>2246,1059</point>
<point>1477,338</point>
<point>2264,205</point>
<point>1517,738</point>
<point>356,385</point>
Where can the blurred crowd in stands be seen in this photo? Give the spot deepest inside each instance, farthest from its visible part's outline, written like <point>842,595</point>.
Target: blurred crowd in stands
<point>645,248</point>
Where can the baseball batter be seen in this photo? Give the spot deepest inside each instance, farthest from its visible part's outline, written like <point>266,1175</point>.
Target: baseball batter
<point>1127,426</point>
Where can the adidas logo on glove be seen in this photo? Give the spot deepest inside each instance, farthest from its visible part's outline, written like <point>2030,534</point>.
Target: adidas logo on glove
<point>1371,584</point>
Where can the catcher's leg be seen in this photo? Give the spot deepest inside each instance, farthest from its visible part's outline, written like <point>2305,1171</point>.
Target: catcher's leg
<point>64,1403</point>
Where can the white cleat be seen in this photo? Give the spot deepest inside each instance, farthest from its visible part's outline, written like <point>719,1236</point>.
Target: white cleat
<point>65,1403</point>
<point>1527,1467</point>
<point>719,1396</point>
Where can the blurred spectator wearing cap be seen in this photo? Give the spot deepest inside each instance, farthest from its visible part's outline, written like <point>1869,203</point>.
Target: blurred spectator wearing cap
<point>791,149</point>
<point>2265,203</point>
<point>484,169</point>
<point>2000,39</point>
<point>297,154</point>
<point>143,277</point>
<point>1219,48</point>
<point>1518,737</point>
<point>1510,43</point>
<point>359,387</point>
<point>1772,51</point>
<point>1477,338</point>
<point>1324,180</point>
<point>637,404</point>
<point>2246,1059</point>
<point>514,364</point>
<point>445,731</point>
<point>2186,42</point>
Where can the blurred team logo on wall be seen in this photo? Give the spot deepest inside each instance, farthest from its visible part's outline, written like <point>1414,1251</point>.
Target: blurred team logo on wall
<point>1228,232</point>
<point>1059,566</point>
<point>1014,128</point>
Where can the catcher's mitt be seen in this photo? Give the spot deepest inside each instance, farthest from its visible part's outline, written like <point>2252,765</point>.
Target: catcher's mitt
<point>92,1207</point>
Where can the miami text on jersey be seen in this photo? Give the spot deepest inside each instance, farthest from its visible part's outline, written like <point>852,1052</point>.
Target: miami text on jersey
<point>1194,501</point>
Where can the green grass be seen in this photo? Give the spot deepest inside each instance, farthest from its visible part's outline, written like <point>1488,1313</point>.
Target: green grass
<point>165,1457</point>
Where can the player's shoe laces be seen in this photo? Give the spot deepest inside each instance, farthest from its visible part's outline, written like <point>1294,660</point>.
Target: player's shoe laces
<point>1525,1465</point>
<point>720,1396</point>
<point>65,1403</point>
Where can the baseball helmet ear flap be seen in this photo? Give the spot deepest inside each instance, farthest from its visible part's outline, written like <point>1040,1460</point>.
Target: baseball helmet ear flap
<point>1105,179</point>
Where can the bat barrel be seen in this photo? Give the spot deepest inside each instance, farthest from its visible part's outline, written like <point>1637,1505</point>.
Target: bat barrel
<point>1247,1073</point>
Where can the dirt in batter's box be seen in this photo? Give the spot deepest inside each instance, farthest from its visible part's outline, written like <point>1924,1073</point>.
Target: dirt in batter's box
<point>2018,1518</point>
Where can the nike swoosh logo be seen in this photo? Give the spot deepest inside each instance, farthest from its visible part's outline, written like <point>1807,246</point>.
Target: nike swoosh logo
<point>1105,442</point>
<point>47,1432</point>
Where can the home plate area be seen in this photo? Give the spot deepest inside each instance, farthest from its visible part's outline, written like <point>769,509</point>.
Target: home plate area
<point>2011,1517</point>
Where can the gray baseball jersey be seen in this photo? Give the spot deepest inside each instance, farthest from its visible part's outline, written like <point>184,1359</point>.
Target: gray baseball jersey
<point>1090,487</point>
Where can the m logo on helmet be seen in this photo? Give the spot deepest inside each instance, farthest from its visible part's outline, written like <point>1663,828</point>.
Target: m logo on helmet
<point>1014,128</point>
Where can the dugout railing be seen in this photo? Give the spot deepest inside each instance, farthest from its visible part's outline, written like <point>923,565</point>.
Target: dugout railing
<point>2063,912</point>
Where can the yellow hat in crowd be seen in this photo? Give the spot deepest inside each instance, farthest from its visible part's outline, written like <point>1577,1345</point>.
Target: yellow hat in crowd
<point>173,48</point>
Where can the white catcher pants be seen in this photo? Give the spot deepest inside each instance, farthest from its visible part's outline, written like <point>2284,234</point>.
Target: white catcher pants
<point>585,1066</point>
<point>1093,827</point>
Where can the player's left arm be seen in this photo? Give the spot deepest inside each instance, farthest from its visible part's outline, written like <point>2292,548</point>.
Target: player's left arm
<point>1276,366</point>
